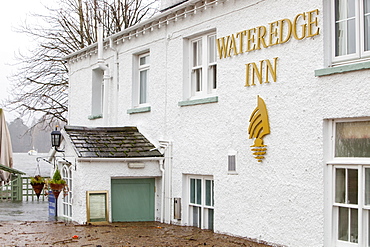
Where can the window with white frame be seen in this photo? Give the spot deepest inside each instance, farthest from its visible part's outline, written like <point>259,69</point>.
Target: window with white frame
<point>203,66</point>
<point>97,93</point>
<point>67,199</point>
<point>350,174</point>
<point>201,202</point>
<point>141,80</point>
<point>350,29</point>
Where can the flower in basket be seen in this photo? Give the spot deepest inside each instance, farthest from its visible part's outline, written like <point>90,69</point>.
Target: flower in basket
<point>37,180</point>
<point>37,183</point>
<point>57,184</point>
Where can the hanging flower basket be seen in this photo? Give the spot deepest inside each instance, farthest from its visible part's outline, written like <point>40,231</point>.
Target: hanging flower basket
<point>57,184</point>
<point>37,184</point>
<point>56,189</point>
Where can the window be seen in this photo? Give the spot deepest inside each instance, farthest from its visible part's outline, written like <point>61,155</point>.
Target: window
<point>351,29</point>
<point>203,67</point>
<point>201,202</point>
<point>67,199</point>
<point>97,94</point>
<point>141,80</point>
<point>350,169</point>
<point>231,162</point>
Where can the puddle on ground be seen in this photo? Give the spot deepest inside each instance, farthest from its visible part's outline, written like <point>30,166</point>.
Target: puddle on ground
<point>24,211</point>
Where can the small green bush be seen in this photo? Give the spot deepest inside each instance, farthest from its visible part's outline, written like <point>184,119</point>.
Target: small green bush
<point>37,180</point>
<point>57,178</point>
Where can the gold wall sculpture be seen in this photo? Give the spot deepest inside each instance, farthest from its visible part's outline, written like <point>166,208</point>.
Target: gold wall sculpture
<point>259,127</point>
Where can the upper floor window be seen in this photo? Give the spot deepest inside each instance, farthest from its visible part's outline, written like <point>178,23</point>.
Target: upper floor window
<point>203,66</point>
<point>351,29</point>
<point>140,85</point>
<point>97,93</point>
<point>143,78</point>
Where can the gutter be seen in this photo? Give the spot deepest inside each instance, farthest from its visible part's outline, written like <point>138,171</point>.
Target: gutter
<point>119,159</point>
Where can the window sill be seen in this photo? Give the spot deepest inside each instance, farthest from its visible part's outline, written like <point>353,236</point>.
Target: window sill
<point>139,110</point>
<point>342,69</point>
<point>97,116</point>
<point>232,173</point>
<point>208,100</point>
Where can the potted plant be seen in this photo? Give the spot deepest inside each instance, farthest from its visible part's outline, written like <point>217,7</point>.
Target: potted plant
<point>57,184</point>
<point>37,183</point>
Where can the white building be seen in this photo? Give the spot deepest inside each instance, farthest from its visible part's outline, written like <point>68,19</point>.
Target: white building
<point>259,112</point>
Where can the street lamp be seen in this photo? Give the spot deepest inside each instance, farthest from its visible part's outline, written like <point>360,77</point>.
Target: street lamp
<point>56,138</point>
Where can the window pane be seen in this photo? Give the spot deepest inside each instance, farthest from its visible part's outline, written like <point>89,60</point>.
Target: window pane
<point>199,191</point>
<point>352,186</point>
<point>340,38</point>
<point>340,9</point>
<point>367,32</point>
<point>351,38</point>
<point>143,86</point>
<point>352,139</point>
<point>340,183</point>
<point>212,76</point>
<point>367,24</point>
<point>211,49</point>
<point>208,192</point>
<point>343,224</point>
<point>196,216</point>
<point>210,219</point>
<point>144,60</point>
<point>192,190</point>
<point>351,8</point>
<point>354,226</point>
<point>197,78</point>
<point>367,6</point>
<point>367,186</point>
<point>197,53</point>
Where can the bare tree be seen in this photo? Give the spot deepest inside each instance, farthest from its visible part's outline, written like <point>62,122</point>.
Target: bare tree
<point>41,82</point>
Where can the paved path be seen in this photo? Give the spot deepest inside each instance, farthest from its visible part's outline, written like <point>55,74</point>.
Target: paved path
<point>26,224</point>
<point>117,234</point>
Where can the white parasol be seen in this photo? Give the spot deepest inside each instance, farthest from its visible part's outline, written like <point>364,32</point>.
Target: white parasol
<point>6,151</point>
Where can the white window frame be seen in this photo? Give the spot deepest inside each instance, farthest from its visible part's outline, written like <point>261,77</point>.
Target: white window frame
<point>97,98</point>
<point>138,68</point>
<point>331,206</point>
<point>360,54</point>
<point>203,207</point>
<point>206,64</point>
<point>67,199</point>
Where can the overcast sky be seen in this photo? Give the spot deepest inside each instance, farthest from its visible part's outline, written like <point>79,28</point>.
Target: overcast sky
<point>12,14</point>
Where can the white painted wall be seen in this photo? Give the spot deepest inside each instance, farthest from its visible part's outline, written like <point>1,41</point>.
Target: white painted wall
<point>280,200</point>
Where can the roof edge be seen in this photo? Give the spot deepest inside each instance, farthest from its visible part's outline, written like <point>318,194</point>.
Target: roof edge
<point>155,18</point>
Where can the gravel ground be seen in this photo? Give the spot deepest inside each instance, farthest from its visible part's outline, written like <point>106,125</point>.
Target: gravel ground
<point>38,233</point>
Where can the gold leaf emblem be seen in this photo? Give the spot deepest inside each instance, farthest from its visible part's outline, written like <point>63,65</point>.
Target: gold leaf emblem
<point>258,128</point>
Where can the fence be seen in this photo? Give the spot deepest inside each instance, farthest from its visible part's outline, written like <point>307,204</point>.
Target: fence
<point>19,189</point>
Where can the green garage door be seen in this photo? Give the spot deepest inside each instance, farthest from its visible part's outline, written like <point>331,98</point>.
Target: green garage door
<point>133,199</point>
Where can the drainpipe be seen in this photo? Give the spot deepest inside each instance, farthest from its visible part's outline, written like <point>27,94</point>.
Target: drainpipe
<point>115,79</point>
<point>106,78</point>
<point>161,167</point>
<point>167,181</point>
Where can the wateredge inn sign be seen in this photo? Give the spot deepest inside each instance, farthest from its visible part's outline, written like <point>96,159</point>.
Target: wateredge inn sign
<point>303,25</point>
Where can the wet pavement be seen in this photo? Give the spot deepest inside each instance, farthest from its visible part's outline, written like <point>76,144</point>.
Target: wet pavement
<point>27,224</point>
<point>24,211</point>
<point>115,234</point>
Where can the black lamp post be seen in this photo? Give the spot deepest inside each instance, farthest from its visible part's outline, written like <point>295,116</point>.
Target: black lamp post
<point>56,138</point>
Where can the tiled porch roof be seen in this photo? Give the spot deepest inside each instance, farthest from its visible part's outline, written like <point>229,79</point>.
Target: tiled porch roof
<point>110,142</point>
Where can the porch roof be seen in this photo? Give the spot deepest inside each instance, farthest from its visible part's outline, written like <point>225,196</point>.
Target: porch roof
<point>110,142</point>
